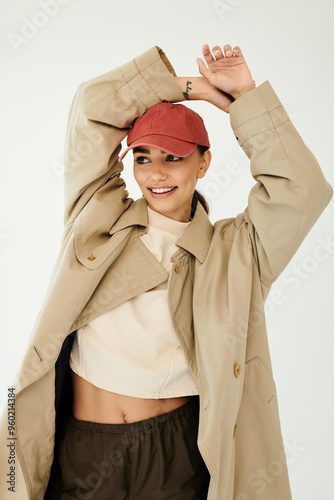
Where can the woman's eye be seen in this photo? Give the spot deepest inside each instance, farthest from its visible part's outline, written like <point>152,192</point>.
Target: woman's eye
<point>173,158</point>
<point>141,160</point>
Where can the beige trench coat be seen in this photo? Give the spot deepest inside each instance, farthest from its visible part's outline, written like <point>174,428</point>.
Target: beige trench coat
<point>219,281</point>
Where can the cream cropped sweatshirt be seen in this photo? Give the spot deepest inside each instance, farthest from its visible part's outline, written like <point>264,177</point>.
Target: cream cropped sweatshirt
<point>133,348</point>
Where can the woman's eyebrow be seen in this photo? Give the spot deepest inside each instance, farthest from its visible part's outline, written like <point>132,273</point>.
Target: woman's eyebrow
<point>141,150</point>
<point>145,151</point>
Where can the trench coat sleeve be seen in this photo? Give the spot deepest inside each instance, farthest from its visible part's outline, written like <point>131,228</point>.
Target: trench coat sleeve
<point>101,113</point>
<point>291,191</point>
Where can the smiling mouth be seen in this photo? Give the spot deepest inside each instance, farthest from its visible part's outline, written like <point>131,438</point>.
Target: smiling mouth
<point>162,190</point>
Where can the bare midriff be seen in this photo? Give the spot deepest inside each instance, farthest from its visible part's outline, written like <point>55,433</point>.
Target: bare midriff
<point>92,404</point>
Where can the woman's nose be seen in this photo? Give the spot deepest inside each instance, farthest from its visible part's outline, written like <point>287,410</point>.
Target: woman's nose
<point>158,170</point>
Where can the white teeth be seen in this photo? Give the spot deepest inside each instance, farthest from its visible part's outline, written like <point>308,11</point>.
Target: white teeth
<point>161,190</point>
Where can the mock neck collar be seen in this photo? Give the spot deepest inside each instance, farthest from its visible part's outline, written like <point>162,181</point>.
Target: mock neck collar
<point>196,238</point>
<point>161,221</point>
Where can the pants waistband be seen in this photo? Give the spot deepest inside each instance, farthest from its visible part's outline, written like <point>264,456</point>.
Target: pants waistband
<point>189,409</point>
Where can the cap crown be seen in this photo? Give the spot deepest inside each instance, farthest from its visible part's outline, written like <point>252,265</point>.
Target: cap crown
<point>170,120</point>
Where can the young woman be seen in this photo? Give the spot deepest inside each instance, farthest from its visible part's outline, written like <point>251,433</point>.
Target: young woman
<point>149,361</point>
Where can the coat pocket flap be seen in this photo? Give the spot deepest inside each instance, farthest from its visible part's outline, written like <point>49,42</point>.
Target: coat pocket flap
<point>93,250</point>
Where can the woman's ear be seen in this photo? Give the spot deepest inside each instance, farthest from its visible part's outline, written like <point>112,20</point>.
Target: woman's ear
<point>204,163</point>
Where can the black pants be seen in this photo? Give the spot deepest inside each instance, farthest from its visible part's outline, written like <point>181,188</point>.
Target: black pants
<point>154,459</point>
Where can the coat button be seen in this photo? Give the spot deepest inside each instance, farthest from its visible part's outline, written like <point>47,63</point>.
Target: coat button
<point>177,269</point>
<point>234,430</point>
<point>237,370</point>
<point>92,257</point>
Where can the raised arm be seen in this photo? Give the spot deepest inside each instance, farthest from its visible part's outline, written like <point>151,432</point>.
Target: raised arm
<point>291,191</point>
<point>100,116</point>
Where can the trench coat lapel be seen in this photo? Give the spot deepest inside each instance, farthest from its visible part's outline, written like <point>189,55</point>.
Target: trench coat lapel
<point>196,239</point>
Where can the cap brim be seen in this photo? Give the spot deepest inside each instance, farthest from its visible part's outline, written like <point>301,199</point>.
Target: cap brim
<point>169,145</point>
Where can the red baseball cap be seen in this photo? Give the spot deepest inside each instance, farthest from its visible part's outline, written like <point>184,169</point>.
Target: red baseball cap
<point>173,128</point>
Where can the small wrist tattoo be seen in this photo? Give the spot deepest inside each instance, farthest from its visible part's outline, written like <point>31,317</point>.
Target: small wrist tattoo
<point>186,95</point>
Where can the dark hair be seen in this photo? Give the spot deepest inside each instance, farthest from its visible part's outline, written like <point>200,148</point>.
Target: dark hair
<point>197,195</point>
<point>202,149</point>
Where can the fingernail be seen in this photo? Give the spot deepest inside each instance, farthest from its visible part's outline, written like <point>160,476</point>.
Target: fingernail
<point>228,53</point>
<point>197,60</point>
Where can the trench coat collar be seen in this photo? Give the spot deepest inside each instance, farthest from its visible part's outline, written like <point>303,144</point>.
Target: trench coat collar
<point>196,239</point>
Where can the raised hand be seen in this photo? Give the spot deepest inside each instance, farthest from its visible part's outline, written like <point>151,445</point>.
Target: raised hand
<point>226,70</point>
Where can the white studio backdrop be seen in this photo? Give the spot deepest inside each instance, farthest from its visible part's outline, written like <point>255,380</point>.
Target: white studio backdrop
<point>50,46</point>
